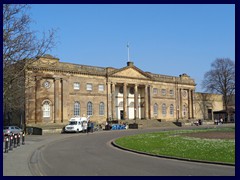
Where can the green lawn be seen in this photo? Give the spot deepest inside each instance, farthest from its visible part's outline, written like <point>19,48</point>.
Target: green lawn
<point>172,143</point>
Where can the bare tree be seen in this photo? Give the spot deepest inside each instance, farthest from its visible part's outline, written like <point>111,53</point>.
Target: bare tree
<point>221,79</point>
<point>21,46</point>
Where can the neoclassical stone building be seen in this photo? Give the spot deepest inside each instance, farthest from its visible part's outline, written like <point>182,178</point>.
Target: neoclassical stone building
<point>57,91</point>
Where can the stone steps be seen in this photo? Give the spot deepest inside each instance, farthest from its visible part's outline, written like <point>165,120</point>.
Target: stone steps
<point>150,123</point>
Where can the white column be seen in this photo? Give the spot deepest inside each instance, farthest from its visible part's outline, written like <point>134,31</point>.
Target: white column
<point>113,102</point>
<point>125,101</point>
<point>150,102</point>
<point>146,102</point>
<point>136,116</point>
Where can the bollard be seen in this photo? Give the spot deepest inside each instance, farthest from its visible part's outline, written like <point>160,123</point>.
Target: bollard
<point>11,142</point>
<point>15,143</point>
<point>6,145</point>
<point>18,139</point>
<point>23,138</point>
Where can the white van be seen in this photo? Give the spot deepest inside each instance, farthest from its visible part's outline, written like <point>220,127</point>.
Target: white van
<point>77,124</point>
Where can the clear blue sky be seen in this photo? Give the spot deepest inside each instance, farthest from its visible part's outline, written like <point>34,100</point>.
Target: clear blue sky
<point>164,39</point>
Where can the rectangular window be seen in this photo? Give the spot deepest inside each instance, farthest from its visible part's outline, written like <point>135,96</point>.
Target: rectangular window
<point>76,86</point>
<point>89,87</point>
<point>171,92</point>
<point>100,87</point>
<point>155,90</point>
<point>164,92</point>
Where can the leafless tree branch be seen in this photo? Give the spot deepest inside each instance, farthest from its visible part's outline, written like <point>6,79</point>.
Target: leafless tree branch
<point>21,46</point>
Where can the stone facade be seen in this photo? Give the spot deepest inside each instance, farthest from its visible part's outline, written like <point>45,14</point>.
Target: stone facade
<point>56,91</point>
<point>205,104</point>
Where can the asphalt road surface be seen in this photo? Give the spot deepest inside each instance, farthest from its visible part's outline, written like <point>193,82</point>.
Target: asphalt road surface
<point>93,155</point>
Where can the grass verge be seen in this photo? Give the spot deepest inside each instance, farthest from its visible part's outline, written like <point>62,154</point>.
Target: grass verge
<point>176,144</point>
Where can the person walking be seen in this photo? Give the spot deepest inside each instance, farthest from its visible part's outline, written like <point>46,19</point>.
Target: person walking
<point>85,126</point>
<point>92,127</point>
<point>88,126</point>
<point>221,120</point>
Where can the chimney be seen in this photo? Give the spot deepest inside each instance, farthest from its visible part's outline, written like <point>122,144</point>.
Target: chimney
<point>129,63</point>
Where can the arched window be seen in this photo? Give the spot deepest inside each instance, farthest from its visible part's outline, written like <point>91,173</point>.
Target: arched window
<point>120,104</point>
<point>101,108</point>
<point>121,90</point>
<point>76,109</point>
<point>171,110</point>
<point>131,90</point>
<point>89,109</point>
<point>155,109</point>
<point>164,112</point>
<point>131,104</point>
<point>46,109</point>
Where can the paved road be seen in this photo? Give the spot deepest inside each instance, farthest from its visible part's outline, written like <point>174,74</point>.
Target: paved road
<point>92,155</point>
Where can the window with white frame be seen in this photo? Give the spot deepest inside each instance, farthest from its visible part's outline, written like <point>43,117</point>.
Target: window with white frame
<point>171,110</point>
<point>89,109</point>
<point>101,109</point>
<point>76,109</point>
<point>164,92</point>
<point>46,109</point>
<point>171,92</point>
<point>100,87</point>
<point>155,109</point>
<point>164,112</point>
<point>155,90</point>
<point>89,87</point>
<point>76,86</point>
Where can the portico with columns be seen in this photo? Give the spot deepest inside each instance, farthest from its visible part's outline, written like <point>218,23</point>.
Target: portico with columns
<point>129,101</point>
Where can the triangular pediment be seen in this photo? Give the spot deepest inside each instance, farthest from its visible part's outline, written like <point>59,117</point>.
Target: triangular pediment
<point>131,72</point>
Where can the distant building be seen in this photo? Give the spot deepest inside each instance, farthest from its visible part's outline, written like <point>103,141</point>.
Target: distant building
<point>227,116</point>
<point>206,104</point>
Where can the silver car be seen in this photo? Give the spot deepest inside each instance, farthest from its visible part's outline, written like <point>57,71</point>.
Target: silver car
<point>8,130</point>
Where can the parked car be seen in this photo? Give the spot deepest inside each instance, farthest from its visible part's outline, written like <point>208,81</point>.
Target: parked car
<point>8,130</point>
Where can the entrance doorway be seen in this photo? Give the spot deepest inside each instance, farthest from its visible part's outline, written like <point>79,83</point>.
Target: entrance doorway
<point>121,115</point>
<point>209,114</point>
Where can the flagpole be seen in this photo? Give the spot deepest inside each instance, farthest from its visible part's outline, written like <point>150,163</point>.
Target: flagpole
<point>128,52</point>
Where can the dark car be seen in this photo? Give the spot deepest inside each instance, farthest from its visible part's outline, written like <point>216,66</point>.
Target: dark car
<point>8,130</point>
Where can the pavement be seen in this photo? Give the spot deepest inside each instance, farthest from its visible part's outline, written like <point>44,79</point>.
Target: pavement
<point>16,162</point>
